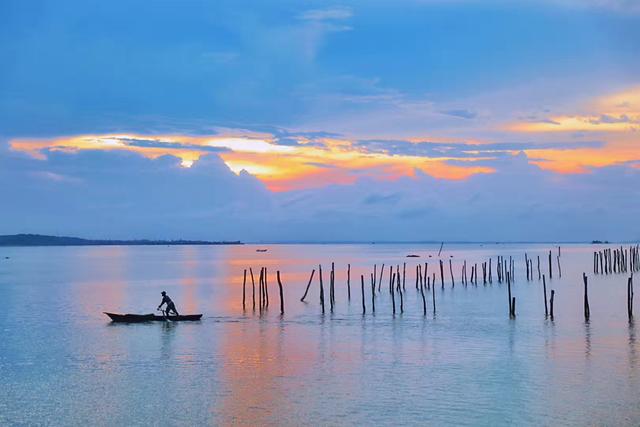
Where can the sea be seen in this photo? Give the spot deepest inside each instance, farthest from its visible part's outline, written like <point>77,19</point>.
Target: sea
<point>464,361</point>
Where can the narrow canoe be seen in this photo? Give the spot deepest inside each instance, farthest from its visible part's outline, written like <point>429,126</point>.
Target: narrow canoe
<point>135,318</point>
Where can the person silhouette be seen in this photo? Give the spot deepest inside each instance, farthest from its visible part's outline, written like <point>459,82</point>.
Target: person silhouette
<point>170,305</point>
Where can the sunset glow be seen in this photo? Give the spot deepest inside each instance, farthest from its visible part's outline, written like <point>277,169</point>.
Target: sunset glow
<point>323,161</point>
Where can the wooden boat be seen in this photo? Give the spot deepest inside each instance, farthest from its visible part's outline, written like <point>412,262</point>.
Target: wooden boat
<point>137,318</point>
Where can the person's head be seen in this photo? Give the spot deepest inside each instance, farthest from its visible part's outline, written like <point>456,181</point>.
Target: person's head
<point>163,293</point>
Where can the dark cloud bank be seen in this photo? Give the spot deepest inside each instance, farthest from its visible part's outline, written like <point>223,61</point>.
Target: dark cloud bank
<point>123,195</point>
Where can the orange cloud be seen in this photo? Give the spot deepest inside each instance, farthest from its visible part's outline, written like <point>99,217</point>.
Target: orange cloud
<point>280,167</point>
<point>613,118</point>
<point>619,112</point>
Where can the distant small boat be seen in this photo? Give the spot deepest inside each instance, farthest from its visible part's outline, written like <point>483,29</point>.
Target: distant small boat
<point>137,318</point>
<point>261,250</point>
<point>413,256</point>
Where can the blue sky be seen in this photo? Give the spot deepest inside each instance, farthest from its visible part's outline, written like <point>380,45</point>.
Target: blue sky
<point>367,93</point>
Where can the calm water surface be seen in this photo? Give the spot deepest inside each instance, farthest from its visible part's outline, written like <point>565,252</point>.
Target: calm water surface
<point>62,362</point>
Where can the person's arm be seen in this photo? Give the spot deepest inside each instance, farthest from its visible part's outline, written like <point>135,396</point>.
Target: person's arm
<point>161,304</point>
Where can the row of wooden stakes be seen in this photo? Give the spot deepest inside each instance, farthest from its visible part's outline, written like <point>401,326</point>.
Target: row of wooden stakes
<point>263,290</point>
<point>424,282</point>
<point>617,260</point>
<point>529,264</point>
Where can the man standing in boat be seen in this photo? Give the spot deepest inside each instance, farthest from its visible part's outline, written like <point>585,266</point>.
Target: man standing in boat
<point>170,305</point>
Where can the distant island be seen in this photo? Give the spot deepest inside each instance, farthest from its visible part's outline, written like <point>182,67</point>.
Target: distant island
<point>43,240</point>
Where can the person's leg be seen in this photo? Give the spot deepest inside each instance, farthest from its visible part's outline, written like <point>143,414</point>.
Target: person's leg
<point>173,309</point>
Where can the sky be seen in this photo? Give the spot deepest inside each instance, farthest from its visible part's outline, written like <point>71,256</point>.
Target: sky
<point>405,120</point>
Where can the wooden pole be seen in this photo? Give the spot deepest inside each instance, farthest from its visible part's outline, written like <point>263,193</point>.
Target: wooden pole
<point>559,269</point>
<point>373,294</point>
<point>253,289</point>
<point>433,293</point>
<point>424,302</point>
<point>544,287</point>
<point>404,273</point>
<point>550,269</point>
<point>331,286</point>
<point>553,293</point>
<point>490,279</point>
<point>475,274</point>
<point>509,290</point>
<point>630,297</point>
<point>375,273</point>
<point>333,283</point>
<point>513,307</point>
<point>381,274</point>
<point>244,291</point>
<point>417,275</point>
<point>484,273</point>
<point>391,279</point>
<point>266,287</point>
<point>260,288</point>
<point>281,294</point>
<point>587,311</point>
<point>349,281</point>
<point>453,282</point>
<point>321,288</point>
<point>364,308</point>
<point>264,292</point>
<point>393,298</point>
<point>441,274</point>
<point>308,285</point>
<point>399,287</point>
<point>426,270</point>
<point>465,272</point>
<point>512,269</point>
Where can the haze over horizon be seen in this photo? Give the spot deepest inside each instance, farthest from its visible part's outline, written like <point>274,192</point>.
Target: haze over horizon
<point>420,120</point>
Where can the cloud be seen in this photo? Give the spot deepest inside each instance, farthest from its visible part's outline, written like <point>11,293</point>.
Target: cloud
<point>518,202</point>
<point>463,114</point>
<point>320,165</point>
<point>329,14</point>
<point>119,194</point>
<point>461,150</point>
<point>607,118</point>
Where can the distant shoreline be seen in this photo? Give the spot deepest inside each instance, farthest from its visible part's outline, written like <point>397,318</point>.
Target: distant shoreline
<point>34,240</point>
<point>44,240</point>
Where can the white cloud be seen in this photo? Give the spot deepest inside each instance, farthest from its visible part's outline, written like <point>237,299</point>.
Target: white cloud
<point>334,13</point>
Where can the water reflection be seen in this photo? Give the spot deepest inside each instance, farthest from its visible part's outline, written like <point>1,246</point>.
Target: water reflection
<point>190,280</point>
<point>587,339</point>
<point>167,337</point>
<point>633,357</point>
<point>106,286</point>
<point>252,366</point>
